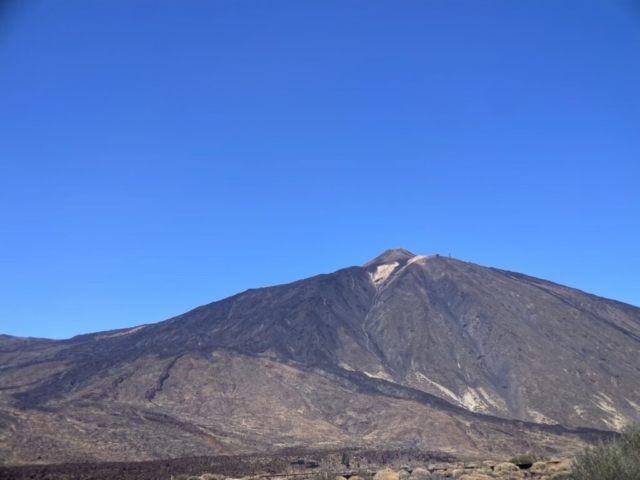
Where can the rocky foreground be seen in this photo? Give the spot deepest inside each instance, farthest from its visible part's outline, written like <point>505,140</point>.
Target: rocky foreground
<point>554,469</point>
<point>406,351</point>
<point>370,465</point>
<point>541,470</point>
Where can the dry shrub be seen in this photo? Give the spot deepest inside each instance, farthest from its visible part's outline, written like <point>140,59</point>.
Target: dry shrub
<point>420,474</point>
<point>362,475</point>
<point>386,474</point>
<point>616,460</point>
<point>505,467</point>
<point>527,458</point>
<point>538,467</point>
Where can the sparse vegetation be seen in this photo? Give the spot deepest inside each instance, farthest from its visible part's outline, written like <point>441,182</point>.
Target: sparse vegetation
<point>364,475</point>
<point>527,458</point>
<point>616,460</point>
<point>538,467</point>
<point>505,467</point>
<point>321,476</point>
<point>420,474</point>
<point>386,474</point>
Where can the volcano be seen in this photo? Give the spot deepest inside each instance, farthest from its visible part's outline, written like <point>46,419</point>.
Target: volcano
<point>406,351</point>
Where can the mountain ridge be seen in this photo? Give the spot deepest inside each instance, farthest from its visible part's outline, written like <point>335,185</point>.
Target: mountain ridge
<point>475,350</point>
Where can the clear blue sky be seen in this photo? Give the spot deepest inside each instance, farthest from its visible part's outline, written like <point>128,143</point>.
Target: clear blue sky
<point>159,155</point>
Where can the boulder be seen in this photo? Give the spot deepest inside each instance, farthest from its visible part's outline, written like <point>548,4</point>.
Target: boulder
<point>483,471</point>
<point>386,474</point>
<point>420,474</point>
<point>505,468</point>
<point>562,466</point>
<point>538,467</point>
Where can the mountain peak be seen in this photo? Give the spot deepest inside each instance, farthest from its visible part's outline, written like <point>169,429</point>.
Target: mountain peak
<point>441,342</point>
<point>391,255</point>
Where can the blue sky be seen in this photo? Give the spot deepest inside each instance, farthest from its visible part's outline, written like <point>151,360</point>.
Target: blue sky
<point>159,155</point>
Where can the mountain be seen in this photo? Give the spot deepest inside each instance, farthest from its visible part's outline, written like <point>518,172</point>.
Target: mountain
<point>406,351</point>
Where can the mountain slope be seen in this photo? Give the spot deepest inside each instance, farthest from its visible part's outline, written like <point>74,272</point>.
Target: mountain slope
<point>407,350</point>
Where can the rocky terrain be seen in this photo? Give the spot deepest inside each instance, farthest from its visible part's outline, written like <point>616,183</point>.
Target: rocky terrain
<point>306,465</point>
<point>407,351</point>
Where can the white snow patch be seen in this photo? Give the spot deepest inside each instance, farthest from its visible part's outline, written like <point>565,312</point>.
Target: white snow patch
<point>540,417</point>
<point>417,258</point>
<point>633,404</point>
<point>345,366</point>
<point>444,390</point>
<point>382,273</point>
<point>496,402</point>
<point>472,401</point>
<point>381,375</point>
<point>605,396</point>
<point>120,334</point>
<point>605,404</point>
<point>579,410</point>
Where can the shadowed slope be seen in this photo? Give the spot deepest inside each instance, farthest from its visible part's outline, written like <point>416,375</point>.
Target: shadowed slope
<point>406,350</point>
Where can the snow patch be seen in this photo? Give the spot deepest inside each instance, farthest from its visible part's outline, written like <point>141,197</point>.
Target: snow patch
<point>417,258</point>
<point>615,420</point>
<point>539,417</point>
<point>382,273</point>
<point>120,334</point>
<point>472,401</point>
<point>633,404</point>
<point>496,402</point>
<point>444,390</point>
<point>381,375</point>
